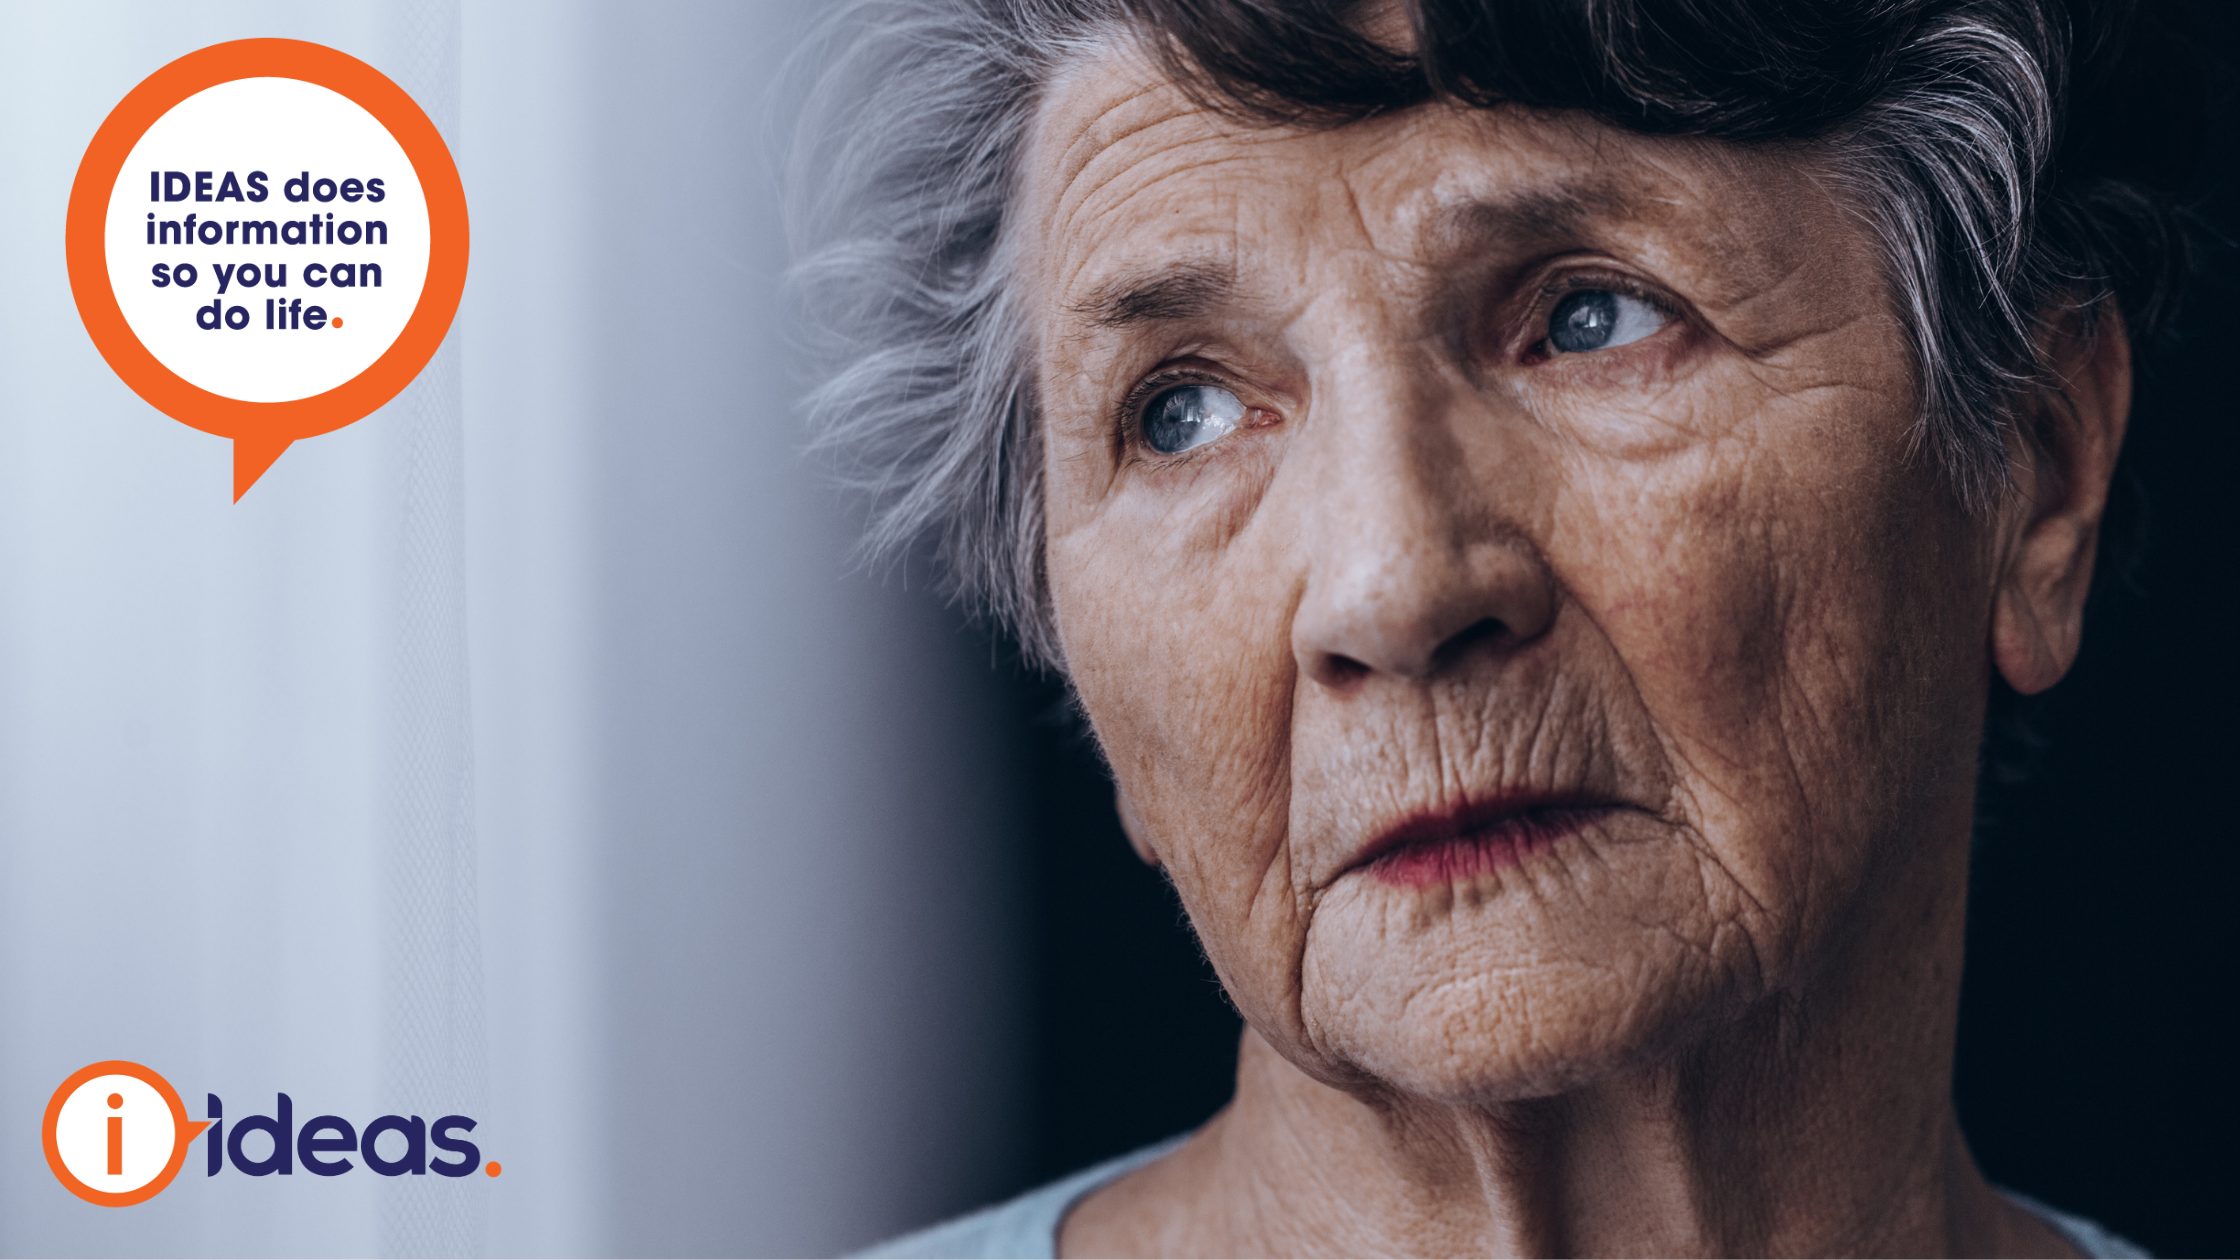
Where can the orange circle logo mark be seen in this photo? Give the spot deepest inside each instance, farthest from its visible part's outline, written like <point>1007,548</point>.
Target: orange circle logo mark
<point>267,241</point>
<point>116,1133</point>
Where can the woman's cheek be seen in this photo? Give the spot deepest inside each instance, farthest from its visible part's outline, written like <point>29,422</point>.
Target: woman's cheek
<point>1181,656</point>
<point>1177,657</point>
<point>1166,587</point>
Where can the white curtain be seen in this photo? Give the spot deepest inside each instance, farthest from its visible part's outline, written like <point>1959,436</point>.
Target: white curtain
<point>527,750</point>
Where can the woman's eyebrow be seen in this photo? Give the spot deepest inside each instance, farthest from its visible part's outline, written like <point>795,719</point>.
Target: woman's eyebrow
<point>1535,214</point>
<point>1180,290</point>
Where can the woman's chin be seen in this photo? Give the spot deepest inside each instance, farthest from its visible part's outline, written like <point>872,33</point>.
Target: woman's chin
<point>1518,979</point>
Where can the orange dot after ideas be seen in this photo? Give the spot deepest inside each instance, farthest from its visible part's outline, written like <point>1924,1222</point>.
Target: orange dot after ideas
<point>249,193</point>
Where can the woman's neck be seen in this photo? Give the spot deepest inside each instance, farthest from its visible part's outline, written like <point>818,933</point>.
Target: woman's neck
<point>1778,1134</point>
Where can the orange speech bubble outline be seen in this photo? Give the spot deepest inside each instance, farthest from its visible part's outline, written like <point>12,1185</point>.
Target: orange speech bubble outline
<point>183,1132</point>
<point>260,430</point>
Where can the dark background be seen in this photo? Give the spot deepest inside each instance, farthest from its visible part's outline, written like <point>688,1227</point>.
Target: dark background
<point>2097,1040</point>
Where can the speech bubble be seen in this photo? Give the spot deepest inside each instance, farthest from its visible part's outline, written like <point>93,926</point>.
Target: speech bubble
<point>116,1133</point>
<point>267,241</point>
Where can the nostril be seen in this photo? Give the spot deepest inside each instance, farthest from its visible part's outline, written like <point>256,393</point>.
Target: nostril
<point>1338,672</point>
<point>1483,630</point>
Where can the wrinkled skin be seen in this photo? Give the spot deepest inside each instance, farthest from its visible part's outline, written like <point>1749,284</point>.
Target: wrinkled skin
<point>1704,580</point>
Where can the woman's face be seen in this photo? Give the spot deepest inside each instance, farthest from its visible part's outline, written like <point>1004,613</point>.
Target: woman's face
<point>1491,552</point>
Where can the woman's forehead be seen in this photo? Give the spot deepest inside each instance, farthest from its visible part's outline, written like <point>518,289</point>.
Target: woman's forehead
<point>1127,172</point>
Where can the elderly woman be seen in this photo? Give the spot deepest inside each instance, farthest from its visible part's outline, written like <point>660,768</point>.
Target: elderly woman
<point>1536,499</point>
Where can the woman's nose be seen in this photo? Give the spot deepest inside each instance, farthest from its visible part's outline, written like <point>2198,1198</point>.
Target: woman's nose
<point>1412,566</point>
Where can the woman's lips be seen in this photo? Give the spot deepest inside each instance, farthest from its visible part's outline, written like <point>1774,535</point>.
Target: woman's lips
<point>1436,848</point>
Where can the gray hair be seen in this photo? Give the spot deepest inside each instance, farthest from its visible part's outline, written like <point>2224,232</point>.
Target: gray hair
<point>909,149</point>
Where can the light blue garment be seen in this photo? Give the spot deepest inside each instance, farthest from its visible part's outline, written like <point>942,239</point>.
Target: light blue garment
<point>2089,1237</point>
<point>1026,1228</point>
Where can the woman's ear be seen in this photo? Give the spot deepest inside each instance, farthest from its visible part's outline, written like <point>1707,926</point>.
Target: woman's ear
<point>1138,839</point>
<point>2061,489</point>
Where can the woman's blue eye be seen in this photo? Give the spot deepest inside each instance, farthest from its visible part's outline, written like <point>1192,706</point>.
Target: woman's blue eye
<point>1597,319</point>
<point>1191,416</point>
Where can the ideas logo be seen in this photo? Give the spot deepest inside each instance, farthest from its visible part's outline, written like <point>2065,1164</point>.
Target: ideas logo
<point>116,1133</point>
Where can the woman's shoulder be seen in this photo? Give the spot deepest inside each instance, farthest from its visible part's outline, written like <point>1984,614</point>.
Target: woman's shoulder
<point>1025,1228</point>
